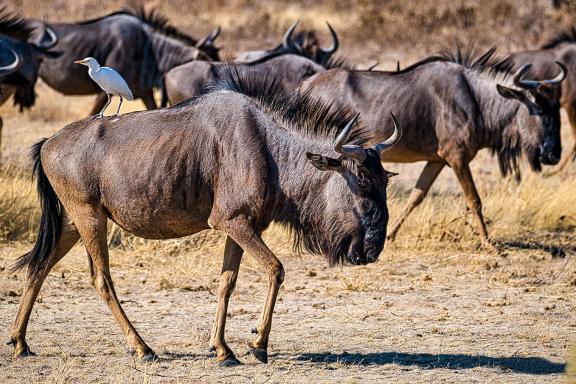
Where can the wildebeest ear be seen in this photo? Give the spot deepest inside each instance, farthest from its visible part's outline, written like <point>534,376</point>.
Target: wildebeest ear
<point>324,163</point>
<point>509,93</point>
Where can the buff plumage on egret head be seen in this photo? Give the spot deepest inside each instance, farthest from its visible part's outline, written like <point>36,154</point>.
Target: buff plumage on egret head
<point>109,80</point>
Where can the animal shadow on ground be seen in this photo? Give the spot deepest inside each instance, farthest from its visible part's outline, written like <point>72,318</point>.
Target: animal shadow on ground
<point>530,365</point>
<point>554,250</point>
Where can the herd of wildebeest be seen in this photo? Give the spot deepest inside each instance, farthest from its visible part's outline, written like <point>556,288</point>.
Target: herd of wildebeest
<point>292,134</point>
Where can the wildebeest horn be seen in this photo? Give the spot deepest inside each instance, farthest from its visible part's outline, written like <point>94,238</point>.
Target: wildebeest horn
<point>53,39</point>
<point>559,78</point>
<point>526,84</point>
<point>209,38</point>
<point>335,43</point>
<point>8,69</point>
<point>392,140</point>
<point>356,152</point>
<point>287,41</point>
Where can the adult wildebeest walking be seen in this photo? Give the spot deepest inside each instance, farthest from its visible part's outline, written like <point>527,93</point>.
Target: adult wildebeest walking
<point>561,48</point>
<point>305,44</point>
<point>188,80</point>
<point>140,46</point>
<point>452,106</point>
<point>235,160</point>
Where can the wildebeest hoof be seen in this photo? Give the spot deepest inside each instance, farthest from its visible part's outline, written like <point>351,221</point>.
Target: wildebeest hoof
<point>260,354</point>
<point>230,361</point>
<point>150,357</point>
<point>23,352</point>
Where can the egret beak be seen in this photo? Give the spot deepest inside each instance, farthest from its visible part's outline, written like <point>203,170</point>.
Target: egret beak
<point>83,61</point>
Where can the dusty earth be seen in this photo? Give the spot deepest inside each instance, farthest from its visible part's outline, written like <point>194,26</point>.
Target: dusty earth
<point>442,316</point>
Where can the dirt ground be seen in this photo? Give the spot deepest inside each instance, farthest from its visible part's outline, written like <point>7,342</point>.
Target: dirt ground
<point>433,309</point>
<point>445,316</point>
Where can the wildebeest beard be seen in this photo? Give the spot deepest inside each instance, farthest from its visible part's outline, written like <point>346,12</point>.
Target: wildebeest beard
<point>332,240</point>
<point>24,96</point>
<point>510,151</point>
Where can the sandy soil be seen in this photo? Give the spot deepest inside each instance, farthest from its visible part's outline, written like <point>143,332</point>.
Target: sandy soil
<point>447,316</point>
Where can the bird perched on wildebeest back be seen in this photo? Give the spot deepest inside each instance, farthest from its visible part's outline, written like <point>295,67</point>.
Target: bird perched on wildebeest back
<point>109,80</point>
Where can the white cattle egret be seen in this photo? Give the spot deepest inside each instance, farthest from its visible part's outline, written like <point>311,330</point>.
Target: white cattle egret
<point>109,80</point>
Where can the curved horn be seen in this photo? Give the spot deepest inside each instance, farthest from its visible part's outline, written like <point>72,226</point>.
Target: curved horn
<point>391,141</point>
<point>53,39</point>
<point>8,69</point>
<point>559,78</point>
<point>287,40</point>
<point>355,152</point>
<point>330,50</point>
<point>526,84</point>
<point>209,38</point>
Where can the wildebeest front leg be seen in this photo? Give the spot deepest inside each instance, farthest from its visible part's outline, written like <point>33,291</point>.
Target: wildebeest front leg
<point>230,266</point>
<point>426,179</point>
<point>241,230</point>
<point>68,237</point>
<point>148,99</point>
<point>91,224</point>
<point>462,171</point>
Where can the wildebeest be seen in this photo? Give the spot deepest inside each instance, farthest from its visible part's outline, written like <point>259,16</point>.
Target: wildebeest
<point>20,81</point>
<point>451,106</point>
<point>189,79</point>
<point>561,48</point>
<point>235,159</point>
<point>305,44</point>
<point>140,45</point>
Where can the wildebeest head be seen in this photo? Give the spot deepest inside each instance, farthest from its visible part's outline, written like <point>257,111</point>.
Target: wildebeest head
<point>17,33</point>
<point>539,128</point>
<point>355,215</point>
<point>206,45</point>
<point>25,78</point>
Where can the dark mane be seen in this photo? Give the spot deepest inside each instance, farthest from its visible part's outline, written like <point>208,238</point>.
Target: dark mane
<point>152,18</point>
<point>13,25</point>
<point>299,110</point>
<point>469,57</point>
<point>336,62</point>
<point>568,36</point>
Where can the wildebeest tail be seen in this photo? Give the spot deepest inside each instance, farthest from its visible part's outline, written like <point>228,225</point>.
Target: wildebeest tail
<point>50,220</point>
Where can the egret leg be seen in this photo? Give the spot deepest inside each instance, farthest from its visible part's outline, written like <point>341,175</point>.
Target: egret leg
<point>119,105</point>
<point>101,114</point>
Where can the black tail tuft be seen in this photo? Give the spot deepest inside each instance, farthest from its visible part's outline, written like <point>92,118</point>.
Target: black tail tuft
<point>50,220</point>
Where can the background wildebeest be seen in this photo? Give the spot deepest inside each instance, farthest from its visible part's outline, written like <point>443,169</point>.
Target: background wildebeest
<point>452,106</point>
<point>189,79</point>
<point>304,43</point>
<point>561,48</point>
<point>234,160</point>
<point>14,32</point>
<point>140,45</point>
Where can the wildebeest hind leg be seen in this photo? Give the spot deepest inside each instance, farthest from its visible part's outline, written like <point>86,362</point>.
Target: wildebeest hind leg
<point>91,224</point>
<point>68,237</point>
<point>232,257</point>
<point>426,179</point>
<point>462,171</point>
<point>242,232</point>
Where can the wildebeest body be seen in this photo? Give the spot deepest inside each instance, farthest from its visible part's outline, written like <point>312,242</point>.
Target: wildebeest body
<point>190,79</point>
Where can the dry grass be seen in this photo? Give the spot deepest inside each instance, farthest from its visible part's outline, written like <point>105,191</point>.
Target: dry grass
<point>433,292</point>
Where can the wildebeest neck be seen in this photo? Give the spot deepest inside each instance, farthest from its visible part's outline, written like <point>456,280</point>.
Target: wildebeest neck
<point>170,52</point>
